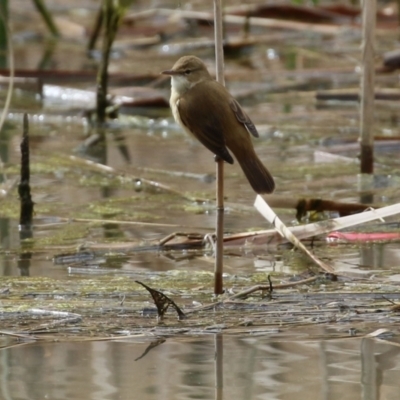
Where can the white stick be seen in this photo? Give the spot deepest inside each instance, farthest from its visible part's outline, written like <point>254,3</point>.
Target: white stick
<point>265,210</point>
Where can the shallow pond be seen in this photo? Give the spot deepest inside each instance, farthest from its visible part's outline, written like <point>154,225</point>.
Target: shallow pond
<point>266,366</point>
<point>102,206</point>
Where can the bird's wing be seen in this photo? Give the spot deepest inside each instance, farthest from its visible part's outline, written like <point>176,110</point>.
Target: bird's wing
<point>206,126</point>
<point>242,117</point>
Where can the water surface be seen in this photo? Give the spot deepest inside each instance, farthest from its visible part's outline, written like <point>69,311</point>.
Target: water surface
<point>222,367</point>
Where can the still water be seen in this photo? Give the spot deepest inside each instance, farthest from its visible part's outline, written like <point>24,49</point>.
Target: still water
<point>310,147</point>
<point>211,367</point>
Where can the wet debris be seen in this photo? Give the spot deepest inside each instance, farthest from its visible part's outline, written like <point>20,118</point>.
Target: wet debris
<point>162,302</point>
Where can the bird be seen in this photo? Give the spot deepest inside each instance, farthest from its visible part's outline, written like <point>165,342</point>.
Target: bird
<point>206,110</point>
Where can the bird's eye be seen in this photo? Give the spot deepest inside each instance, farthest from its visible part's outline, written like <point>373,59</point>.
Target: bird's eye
<point>187,71</point>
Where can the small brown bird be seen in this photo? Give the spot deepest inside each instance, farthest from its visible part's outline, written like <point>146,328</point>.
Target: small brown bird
<point>206,110</point>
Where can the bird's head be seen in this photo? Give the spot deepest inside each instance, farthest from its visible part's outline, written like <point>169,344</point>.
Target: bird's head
<point>187,72</point>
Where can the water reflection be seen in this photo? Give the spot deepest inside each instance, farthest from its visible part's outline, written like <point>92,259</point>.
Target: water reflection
<point>369,259</point>
<point>252,367</point>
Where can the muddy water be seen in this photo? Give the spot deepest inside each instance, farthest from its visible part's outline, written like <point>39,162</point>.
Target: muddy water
<point>309,145</point>
<point>64,189</point>
<point>211,367</point>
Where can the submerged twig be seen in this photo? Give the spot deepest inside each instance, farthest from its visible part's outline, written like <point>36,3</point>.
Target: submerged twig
<point>52,313</point>
<point>45,328</point>
<point>108,169</point>
<point>173,235</point>
<point>116,221</point>
<point>17,335</point>
<point>184,174</point>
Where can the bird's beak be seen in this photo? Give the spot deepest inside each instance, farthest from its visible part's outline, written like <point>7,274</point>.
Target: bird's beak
<point>170,72</point>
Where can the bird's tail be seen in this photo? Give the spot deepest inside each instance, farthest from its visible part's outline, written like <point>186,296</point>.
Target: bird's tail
<point>258,176</point>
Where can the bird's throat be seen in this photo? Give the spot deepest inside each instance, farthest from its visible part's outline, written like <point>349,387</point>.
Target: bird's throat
<point>180,84</point>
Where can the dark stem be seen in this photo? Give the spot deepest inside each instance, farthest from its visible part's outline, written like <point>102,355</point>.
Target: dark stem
<point>367,159</point>
<point>3,33</point>
<point>24,189</point>
<point>47,17</point>
<point>111,16</point>
<point>96,30</point>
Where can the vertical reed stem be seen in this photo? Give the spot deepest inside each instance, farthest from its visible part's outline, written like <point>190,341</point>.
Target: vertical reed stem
<point>367,87</point>
<point>219,253</point>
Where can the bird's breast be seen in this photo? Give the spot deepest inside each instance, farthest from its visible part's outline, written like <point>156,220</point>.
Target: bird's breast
<point>174,103</point>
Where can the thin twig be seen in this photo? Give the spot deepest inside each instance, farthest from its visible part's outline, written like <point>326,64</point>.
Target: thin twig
<point>17,335</point>
<point>268,287</point>
<point>249,291</point>
<point>115,221</point>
